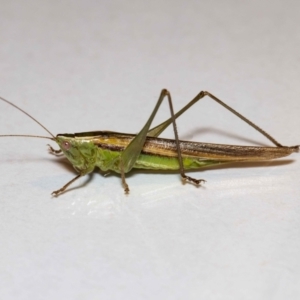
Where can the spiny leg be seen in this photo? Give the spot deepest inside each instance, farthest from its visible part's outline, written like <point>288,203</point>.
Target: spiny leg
<point>53,151</point>
<point>156,131</point>
<point>61,190</point>
<point>181,168</point>
<point>133,150</point>
<point>269,137</point>
<point>124,183</point>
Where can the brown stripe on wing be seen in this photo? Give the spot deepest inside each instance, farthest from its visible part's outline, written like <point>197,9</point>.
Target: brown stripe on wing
<point>166,147</point>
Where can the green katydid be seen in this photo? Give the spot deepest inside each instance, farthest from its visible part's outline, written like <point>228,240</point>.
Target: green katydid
<point>121,152</point>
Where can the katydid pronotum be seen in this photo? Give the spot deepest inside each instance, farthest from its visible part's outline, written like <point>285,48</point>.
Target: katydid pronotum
<point>121,152</point>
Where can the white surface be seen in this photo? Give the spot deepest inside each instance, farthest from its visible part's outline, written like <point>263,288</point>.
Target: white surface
<point>87,65</point>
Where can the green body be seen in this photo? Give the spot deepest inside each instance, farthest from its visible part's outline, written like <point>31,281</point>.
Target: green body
<point>104,149</point>
<point>85,151</point>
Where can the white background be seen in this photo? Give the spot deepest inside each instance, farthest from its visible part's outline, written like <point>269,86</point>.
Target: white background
<point>96,65</point>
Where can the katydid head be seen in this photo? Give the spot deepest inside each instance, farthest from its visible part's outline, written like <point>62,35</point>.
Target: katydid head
<point>81,154</point>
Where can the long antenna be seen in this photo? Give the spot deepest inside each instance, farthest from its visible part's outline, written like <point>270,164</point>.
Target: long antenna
<point>28,135</point>
<point>24,112</point>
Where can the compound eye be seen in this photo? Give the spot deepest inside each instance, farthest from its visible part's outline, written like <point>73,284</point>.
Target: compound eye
<point>66,145</point>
